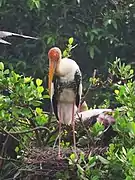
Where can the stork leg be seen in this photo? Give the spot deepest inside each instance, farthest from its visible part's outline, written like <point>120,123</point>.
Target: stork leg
<point>73,127</point>
<point>59,149</point>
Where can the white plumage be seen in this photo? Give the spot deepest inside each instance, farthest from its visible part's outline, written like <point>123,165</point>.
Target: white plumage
<point>91,113</point>
<point>66,112</point>
<point>66,97</point>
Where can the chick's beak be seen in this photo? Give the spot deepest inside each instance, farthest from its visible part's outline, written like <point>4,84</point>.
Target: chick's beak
<point>52,67</point>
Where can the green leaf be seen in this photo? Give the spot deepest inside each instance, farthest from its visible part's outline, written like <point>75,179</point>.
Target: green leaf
<point>27,79</point>
<point>2,113</point>
<point>91,159</point>
<point>103,160</point>
<point>131,127</point>
<point>36,103</point>
<point>40,89</point>
<point>91,51</point>
<point>42,119</point>
<point>6,71</point>
<point>114,24</point>
<point>17,149</point>
<point>116,91</point>
<point>97,49</point>
<point>37,3</point>
<point>81,170</point>
<point>65,53</point>
<point>124,151</point>
<point>128,178</point>
<point>105,23</point>
<point>95,178</point>
<point>131,71</point>
<point>72,157</point>
<point>82,158</point>
<point>49,40</point>
<point>71,40</point>
<point>25,112</point>
<point>46,96</point>
<point>39,111</point>
<point>38,82</point>
<point>95,31</point>
<point>91,37</point>
<point>1,66</point>
<point>109,21</point>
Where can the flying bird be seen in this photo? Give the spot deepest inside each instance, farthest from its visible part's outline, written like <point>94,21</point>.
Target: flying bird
<point>65,89</point>
<point>6,34</point>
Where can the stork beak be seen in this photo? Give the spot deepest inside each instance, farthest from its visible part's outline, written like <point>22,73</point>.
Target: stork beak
<point>52,66</point>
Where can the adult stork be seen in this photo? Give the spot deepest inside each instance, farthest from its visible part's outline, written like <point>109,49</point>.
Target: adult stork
<point>65,89</point>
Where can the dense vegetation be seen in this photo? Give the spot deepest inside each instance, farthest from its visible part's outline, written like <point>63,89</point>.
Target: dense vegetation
<point>104,31</point>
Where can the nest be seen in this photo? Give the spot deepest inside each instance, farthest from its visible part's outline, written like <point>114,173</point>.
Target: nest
<point>43,164</point>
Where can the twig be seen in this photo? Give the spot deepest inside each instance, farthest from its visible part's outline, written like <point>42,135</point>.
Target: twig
<point>81,21</point>
<point>2,151</point>
<point>38,137</point>
<point>9,134</point>
<point>106,129</point>
<point>9,159</point>
<point>50,135</point>
<point>74,46</point>
<point>50,114</point>
<point>56,140</point>
<point>90,138</point>
<point>83,98</point>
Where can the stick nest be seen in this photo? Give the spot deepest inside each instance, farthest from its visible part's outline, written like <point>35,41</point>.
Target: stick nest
<point>44,163</point>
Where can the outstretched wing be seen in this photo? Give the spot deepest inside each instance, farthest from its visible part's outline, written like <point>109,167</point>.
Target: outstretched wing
<point>6,33</point>
<point>4,42</point>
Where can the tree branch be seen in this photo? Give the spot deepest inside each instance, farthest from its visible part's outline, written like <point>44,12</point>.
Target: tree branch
<point>28,131</point>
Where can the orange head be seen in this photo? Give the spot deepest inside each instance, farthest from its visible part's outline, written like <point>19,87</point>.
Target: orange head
<point>54,56</point>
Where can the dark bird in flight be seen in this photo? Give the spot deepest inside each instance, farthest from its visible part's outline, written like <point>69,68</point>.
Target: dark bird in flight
<point>6,34</point>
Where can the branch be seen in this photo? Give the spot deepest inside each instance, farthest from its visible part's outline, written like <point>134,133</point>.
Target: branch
<point>9,159</point>
<point>30,130</point>
<point>9,134</point>
<point>2,151</point>
<point>50,135</point>
<point>82,123</point>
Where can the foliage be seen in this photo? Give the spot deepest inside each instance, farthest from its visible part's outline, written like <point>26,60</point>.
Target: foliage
<point>67,51</point>
<point>119,160</point>
<point>102,30</point>
<point>20,102</point>
<point>21,114</point>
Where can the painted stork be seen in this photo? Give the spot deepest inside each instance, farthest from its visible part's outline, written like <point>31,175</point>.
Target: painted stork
<point>65,89</point>
<point>6,34</point>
